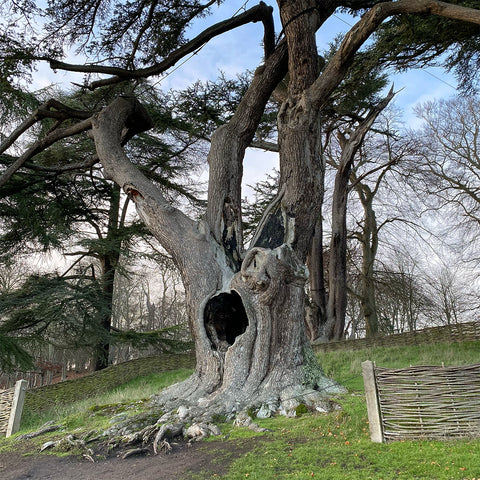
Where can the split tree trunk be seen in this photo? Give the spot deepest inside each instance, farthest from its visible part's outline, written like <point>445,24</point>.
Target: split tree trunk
<point>246,311</point>
<point>250,351</point>
<point>250,345</point>
<point>369,241</point>
<point>334,326</point>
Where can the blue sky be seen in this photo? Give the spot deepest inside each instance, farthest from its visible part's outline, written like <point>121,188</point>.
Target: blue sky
<point>238,50</point>
<point>235,51</point>
<point>241,49</point>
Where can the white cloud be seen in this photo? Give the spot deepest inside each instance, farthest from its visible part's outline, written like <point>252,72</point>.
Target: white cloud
<point>256,166</point>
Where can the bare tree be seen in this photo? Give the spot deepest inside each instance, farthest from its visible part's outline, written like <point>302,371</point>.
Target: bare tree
<point>334,323</point>
<point>447,161</point>
<point>12,274</point>
<point>403,302</point>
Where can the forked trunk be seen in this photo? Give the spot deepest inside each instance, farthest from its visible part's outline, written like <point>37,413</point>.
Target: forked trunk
<point>246,311</point>
<point>250,342</point>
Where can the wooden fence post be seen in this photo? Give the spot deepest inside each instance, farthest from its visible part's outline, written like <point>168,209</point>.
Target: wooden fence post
<point>17,407</point>
<point>373,405</point>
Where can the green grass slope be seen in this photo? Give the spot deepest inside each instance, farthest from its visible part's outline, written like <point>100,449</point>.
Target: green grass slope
<point>70,391</point>
<point>333,446</point>
<point>345,366</point>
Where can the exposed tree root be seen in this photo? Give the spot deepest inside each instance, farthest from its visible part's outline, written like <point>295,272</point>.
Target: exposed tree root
<point>135,451</point>
<point>190,415</point>
<point>167,432</point>
<point>48,427</point>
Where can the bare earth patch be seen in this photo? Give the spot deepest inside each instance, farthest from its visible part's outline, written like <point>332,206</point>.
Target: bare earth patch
<point>180,464</point>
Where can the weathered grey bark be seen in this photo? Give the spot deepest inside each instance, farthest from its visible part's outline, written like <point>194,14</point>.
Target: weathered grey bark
<point>230,372</point>
<point>316,311</point>
<point>368,238</point>
<point>369,241</point>
<point>254,350</point>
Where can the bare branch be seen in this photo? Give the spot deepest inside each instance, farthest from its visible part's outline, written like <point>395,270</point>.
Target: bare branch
<point>42,144</point>
<point>350,146</point>
<point>265,145</point>
<point>167,223</point>
<point>60,112</point>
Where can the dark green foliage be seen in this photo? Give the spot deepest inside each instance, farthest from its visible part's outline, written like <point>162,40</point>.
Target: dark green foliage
<point>35,214</point>
<point>13,356</point>
<point>67,312</point>
<point>206,106</point>
<point>360,89</point>
<point>408,41</point>
<point>52,309</point>
<point>112,29</point>
<point>44,208</point>
<point>16,57</point>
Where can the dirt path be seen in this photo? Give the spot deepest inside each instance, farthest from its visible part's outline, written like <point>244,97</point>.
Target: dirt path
<point>178,465</point>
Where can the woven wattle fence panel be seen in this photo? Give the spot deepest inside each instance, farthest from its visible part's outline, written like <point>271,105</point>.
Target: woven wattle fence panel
<point>460,332</point>
<point>429,402</point>
<point>6,400</point>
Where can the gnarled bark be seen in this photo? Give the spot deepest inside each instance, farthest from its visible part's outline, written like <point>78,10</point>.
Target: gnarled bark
<point>246,311</point>
<point>260,356</point>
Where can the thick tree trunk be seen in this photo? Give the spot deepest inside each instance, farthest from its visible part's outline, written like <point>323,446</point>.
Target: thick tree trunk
<point>247,325</point>
<point>316,310</point>
<point>254,337</point>
<point>246,312</point>
<point>369,241</point>
<point>337,282</point>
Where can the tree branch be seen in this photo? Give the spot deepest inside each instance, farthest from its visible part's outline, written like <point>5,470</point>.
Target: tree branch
<point>65,168</point>
<point>42,144</point>
<point>265,145</point>
<point>338,66</point>
<point>227,152</point>
<point>61,112</point>
<point>167,223</point>
<point>350,146</point>
<point>260,12</point>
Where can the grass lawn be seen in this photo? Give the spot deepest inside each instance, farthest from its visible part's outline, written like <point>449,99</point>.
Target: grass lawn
<point>333,446</point>
<point>338,446</point>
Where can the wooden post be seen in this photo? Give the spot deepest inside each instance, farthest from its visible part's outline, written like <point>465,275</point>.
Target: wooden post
<point>373,404</point>
<point>17,407</point>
